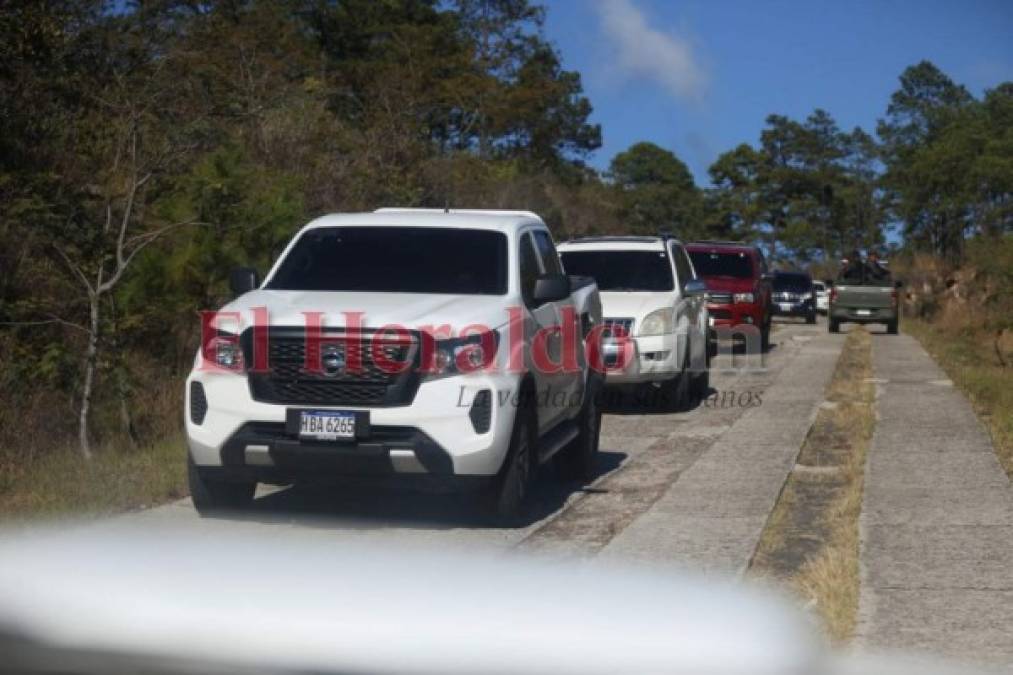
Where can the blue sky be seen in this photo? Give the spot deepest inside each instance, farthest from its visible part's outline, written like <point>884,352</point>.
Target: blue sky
<point>699,77</point>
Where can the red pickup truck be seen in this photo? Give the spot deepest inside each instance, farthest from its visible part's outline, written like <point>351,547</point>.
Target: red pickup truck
<point>738,286</point>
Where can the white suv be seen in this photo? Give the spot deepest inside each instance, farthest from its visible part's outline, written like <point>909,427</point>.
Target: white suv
<point>448,347</point>
<point>650,293</point>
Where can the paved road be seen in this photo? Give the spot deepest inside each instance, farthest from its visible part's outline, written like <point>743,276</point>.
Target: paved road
<point>693,488</point>
<point>937,518</point>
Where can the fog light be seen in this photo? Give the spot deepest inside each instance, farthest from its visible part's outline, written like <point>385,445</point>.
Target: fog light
<point>481,411</point>
<point>749,319</point>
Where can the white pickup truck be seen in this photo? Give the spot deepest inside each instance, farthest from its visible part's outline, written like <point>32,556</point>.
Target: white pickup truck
<point>650,294</point>
<point>446,348</point>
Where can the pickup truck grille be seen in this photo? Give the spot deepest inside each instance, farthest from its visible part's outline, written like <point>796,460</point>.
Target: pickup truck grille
<point>360,383</point>
<point>612,323</point>
<point>719,298</point>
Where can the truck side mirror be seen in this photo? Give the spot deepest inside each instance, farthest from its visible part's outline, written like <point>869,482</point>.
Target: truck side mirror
<point>695,288</point>
<point>551,288</point>
<point>243,280</point>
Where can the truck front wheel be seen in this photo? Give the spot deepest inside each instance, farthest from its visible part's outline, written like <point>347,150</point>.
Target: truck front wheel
<point>835,326</point>
<point>579,459</point>
<point>211,496</point>
<point>511,494</point>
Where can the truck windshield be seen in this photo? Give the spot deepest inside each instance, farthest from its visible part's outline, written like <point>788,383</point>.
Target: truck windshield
<point>622,270</point>
<point>715,264</point>
<point>396,260</point>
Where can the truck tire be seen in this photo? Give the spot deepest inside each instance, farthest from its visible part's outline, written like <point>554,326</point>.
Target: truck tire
<point>835,326</point>
<point>211,497</point>
<point>678,391</point>
<point>701,385</point>
<point>811,319</point>
<point>892,327</point>
<point>578,460</point>
<point>511,494</point>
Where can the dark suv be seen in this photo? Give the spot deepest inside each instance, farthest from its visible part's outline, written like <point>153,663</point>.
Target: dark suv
<point>794,295</point>
<point>738,285</point>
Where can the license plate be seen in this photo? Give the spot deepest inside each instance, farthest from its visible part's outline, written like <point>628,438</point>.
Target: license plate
<point>785,306</point>
<point>326,425</point>
<point>863,312</point>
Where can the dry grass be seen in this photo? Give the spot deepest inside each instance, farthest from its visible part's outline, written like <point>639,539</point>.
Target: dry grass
<point>970,360</point>
<point>811,539</point>
<point>61,483</point>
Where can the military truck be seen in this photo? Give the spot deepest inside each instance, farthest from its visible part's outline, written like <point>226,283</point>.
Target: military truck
<point>865,292</point>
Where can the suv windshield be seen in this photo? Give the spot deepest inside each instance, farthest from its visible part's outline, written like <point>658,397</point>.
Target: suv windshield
<point>715,264</point>
<point>622,270</point>
<point>788,281</point>
<point>396,260</point>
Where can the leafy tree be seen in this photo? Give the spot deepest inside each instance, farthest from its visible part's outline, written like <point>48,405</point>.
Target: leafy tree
<point>656,191</point>
<point>925,162</point>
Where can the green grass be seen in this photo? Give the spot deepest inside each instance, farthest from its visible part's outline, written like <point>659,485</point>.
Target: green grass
<point>826,509</point>
<point>115,480</point>
<point>969,360</point>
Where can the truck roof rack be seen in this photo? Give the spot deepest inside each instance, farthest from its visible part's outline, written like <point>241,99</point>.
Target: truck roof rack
<point>629,239</point>
<point>724,242</point>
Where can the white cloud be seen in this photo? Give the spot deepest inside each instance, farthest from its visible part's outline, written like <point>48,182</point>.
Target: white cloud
<point>643,51</point>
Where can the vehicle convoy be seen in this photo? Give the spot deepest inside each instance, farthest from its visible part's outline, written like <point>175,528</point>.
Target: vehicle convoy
<point>822,292</point>
<point>650,294</point>
<point>865,292</point>
<point>444,349</point>
<point>738,287</point>
<point>794,295</point>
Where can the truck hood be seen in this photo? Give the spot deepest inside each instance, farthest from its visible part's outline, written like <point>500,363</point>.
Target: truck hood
<point>408,310</point>
<point>621,305</point>
<point>729,284</point>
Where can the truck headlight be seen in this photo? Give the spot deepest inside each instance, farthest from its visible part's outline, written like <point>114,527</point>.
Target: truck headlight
<point>743,297</point>
<point>224,351</point>
<point>441,358</point>
<point>658,322</point>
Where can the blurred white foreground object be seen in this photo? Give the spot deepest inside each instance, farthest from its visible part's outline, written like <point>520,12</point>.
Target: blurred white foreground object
<point>101,600</point>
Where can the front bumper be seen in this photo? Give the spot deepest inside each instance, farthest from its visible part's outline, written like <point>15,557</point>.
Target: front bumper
<point>432,435</point>
<point>794,308</point>
<point>653,358</point>
<point>733,315</point>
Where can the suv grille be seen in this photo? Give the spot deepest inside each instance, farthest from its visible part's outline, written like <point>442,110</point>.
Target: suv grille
<point>361,382</point>
<point>612,323</point>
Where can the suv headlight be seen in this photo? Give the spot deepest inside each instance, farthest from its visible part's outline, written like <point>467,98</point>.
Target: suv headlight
<point>458,356</point>
<point>657,322</point>
<point>744,297</point>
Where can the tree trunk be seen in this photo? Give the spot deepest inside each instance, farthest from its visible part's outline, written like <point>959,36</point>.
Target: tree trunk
<point>122,384</point>
<point>89,375</point>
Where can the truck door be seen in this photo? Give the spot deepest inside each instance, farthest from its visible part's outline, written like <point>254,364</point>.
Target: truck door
<point>690,307</point>
<point>562,384</point>
<point>540,319</point>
